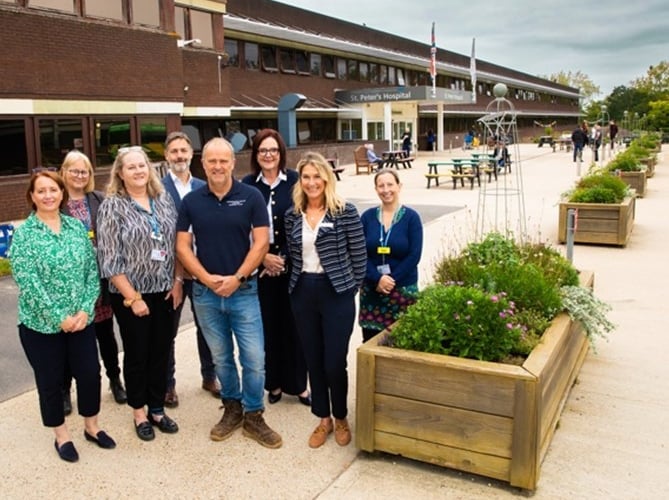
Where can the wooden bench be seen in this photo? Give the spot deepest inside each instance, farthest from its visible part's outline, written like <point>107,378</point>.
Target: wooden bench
<point>362,164</point>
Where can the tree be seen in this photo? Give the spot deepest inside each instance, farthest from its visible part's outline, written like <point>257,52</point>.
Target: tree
<point>577,80</point>
<point>628,99</point>
<point>656,81</point>
<point>658,116</point>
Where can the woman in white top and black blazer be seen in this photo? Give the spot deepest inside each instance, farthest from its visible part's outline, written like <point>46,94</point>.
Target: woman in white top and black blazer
<point>327,249</point>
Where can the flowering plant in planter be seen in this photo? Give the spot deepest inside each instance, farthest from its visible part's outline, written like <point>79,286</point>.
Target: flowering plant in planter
<point>494,300</point>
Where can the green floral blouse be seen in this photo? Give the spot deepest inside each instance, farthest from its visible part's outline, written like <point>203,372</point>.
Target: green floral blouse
<point>57,274</point>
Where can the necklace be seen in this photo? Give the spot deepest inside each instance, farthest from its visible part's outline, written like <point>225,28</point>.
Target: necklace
<point>314,214</point>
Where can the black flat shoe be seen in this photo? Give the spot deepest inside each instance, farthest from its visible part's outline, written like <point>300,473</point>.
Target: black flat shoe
<point>67,451</point>
<point>274,398</point>
<point>305,400</point>
<point>102,439</point>
<point>165,424</point>
<point>144,431</point>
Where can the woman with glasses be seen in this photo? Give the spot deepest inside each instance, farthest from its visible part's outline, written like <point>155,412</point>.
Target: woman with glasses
<point>136,237</point>
<point>54,266</point>
<point>83,203</point>
<point>285,368</point>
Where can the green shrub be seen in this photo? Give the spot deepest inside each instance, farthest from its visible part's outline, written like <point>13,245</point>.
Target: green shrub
<point>625,162</point>
<point>599,188</point>
<point>5,268</point>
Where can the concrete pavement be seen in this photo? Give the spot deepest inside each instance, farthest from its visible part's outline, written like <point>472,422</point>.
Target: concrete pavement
<point>611,441</point>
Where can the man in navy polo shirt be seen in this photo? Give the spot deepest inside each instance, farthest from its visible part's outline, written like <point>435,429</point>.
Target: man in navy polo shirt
<point>229,221</point>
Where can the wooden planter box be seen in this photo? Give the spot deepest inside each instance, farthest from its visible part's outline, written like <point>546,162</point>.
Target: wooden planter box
<point>485,418</point>
<point>650,163</point>
<point>599,223</point>
<point>635,180</point>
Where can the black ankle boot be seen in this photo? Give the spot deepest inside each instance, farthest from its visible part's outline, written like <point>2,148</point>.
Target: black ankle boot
<point>116,386</point>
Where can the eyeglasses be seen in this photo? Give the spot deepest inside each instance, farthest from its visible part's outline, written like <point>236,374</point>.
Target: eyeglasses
<point>129,149</point>
<point>266,151</point>
<point>79,173</point>
<point>39,169</point>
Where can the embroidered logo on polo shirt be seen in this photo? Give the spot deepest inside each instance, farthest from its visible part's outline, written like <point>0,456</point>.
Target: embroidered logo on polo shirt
<point>235,203</point>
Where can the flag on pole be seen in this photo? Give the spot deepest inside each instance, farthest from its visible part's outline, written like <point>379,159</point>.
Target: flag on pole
<point>433,63</point>
<point>472,70</point>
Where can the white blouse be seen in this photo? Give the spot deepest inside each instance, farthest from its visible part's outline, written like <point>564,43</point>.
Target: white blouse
<point>311,262</point>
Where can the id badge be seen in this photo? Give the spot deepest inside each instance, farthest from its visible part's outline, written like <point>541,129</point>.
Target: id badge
<point>158,255</point>
<point>383,269</point>
<point>383,250</point>
<point>91,234</point>
<point>157,236</point>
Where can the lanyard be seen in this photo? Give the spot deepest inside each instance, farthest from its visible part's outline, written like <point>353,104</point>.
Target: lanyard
<point>153,221</point>
<point>383,241</point>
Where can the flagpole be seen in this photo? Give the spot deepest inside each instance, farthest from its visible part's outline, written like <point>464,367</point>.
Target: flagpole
<point>433,63</point>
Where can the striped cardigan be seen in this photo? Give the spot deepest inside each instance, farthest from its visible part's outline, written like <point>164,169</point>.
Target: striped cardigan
<point>341,248</point>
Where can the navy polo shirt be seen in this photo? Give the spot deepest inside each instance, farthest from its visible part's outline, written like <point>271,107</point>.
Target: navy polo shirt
<point>222,228</point>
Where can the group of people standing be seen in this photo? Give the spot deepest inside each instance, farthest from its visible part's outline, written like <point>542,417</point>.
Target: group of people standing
<point>582,137</point>
<point>271,263</point>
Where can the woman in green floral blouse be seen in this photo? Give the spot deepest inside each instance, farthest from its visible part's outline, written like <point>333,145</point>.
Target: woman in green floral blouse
<point>54,266</point>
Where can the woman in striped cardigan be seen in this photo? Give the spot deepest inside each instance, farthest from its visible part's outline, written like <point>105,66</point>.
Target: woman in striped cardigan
<point>327,249</point>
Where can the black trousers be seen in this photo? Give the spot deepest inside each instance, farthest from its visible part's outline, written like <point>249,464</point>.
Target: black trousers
<point>50,355</point>
<point>146,346</point>
<point>285,366</point>
<point>324,321</point>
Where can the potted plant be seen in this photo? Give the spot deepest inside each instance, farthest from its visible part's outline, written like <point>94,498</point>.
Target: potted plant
<point>631,171</point>
<point>605,210</point>
<point>500,360</point>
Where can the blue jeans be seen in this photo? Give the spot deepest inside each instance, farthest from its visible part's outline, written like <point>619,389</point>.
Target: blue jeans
<point>220,318</point>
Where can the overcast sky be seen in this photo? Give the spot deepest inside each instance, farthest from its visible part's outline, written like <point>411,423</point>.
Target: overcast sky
<point>612,42</point>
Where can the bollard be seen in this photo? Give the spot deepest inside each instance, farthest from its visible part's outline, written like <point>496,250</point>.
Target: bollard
<point>572,216</point>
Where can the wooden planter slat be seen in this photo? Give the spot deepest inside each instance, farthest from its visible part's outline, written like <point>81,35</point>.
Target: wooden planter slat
<point>599,223</point>
<point>635,180</point>
<point>485,418</point>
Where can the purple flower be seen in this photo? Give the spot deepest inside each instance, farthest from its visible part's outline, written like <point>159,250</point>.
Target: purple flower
<point>494,298</point>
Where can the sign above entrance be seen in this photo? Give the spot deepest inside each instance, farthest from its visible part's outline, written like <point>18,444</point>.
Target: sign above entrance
<point>396,94</point>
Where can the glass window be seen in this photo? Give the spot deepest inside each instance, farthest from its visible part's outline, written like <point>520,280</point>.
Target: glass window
<point>374,73</point>
<point>375,131</point>
<point>351,130</point>
<point>352,67</point>
<point>268,58</point>
<point>13,147</point>
<point>56,138</point>
<point>400,77</point>
<point>287,58</point>
<point>110,135</point>
<point>391,76</point>
<point>342,69</point>
<point>315,64</point>
<point>146,12</point>
<point>64,5</point>
<point>363,70</point>
<point>303,132</point>
<point>200,26</point>
<point>231,47</point>
<point>152,132</point>
<point>109,9</point>
<point>180,22</point>
<point>302,62</point>
<point>383,74</point>
<point>251,55</point>
<point>328,67</point>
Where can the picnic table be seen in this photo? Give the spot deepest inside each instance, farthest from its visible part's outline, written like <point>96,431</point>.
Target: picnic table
<point>546,139</point>
<point>394,158</point>
<point>461,169</point>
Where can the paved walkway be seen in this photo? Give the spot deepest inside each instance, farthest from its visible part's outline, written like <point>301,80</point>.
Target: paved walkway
<point>612,441</point>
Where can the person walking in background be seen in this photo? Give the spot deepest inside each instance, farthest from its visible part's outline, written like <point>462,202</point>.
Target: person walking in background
<point>229,222</point>
<point>394,240</point>
<point>178,182</point>
<point>430,140</point>
<point>406,142</point>
<point>579,138</point>
<point>83,203</point>
<point>613,132</point>
<point>53,263</point>
<point>327,250</point>
<point>596,140</point>
<point>136,230</point>
<point>285,367</point>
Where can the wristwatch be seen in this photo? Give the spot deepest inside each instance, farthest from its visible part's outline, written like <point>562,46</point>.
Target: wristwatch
<point>130,302</point>
<point>241,278</point>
